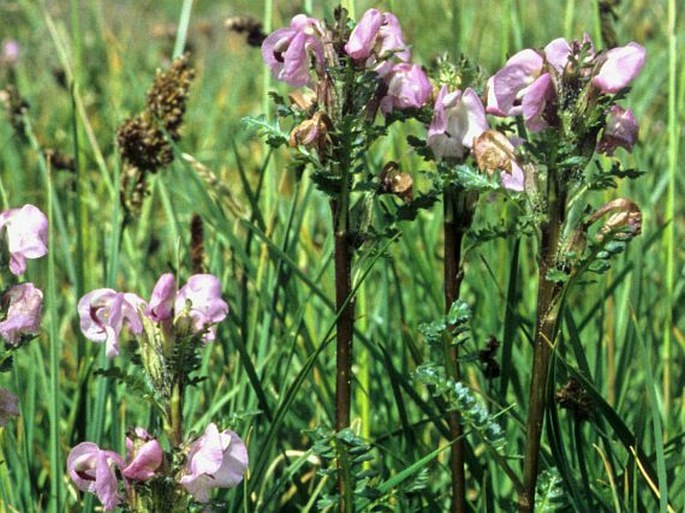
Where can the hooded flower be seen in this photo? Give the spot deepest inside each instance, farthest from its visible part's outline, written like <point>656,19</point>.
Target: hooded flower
<point>93,470</point>
<point>27,235</point>
<point>621,130</point>
<point>24,304</point>
<point>375,39</point>
<point>532,82</point>
<point>215,460</point>
<point>9,406</point>
<point>287,50</point>
<point>408,88</point>
<point>161,307</point>
<point>524,86</point>
<point>144,456</point>
<point>103,313</point>
<point>458,119</point>
<point>199,301</point>
<point>620,66</point>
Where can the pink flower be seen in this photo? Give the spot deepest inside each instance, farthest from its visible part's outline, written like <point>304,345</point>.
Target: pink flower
<point>9,406</point>
<point>539,95</point>
<point>408,87</point>
<point>458,119</point>
<point>375,39</point>
<point>10,52</point>
<point>200,302</point>
<point>24,304</point>
<point>287,50</point>
<point>103,313</point>
<point>215,460</point>
<point>144,455</point>
<point>27,235</point>
<point>621,65</point>
<point>620,130</point>
<point>161,307</point>
<point>525,85</point>
<point>93,470</point>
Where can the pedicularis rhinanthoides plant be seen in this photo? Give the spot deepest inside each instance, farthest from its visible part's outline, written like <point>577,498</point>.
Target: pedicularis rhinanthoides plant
<point>24,232</point>
<point>351,73</point>
<point>566,103</point>
<point>170,331</point>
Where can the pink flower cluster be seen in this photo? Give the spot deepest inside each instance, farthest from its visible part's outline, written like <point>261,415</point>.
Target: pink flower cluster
<point>534,84</point>
<point>194,309</point>
<point>214,460</point>
<point>376,44</point>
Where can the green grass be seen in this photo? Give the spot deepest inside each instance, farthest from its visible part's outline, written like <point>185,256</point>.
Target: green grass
<point>270,373</point>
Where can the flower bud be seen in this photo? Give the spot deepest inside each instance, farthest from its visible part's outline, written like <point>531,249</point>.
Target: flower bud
<point>620,130</point>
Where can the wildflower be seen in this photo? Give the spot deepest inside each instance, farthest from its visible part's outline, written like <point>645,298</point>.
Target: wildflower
<point>535,83</point>
<point>103,313</point>
<point>143,454</point>
<point>408,87</point>
<point>375,39</point>
<point>215,460</point>
<point>94,470</point>
<point>620,66</point>
<point>9,406</point>
<point>27,235</point>
<point>24,304</point>
<point>161,306</point>
<point>458,119</point>
<point>199,304</point>
<point>620,130</point>
<point>287,50</point>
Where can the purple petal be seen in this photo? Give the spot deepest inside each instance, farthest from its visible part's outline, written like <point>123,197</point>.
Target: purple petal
<point>457,121</point>
<point>408,87</point>
<point>504,87</point>
<point>27,235</point>
<point>535,101</point>
<point>161,307</point>
<point>621,130</point>
<point>363,36</point>
<point>23,313</point>
<point>515,180</point>
<point>215,460</point>
<point>620,67</point>
<point>557,53</point>
<point>146,459</point>
<point>102,313</point>
<point>287,50</point>
<point>92,470</point>
<point>203,292</point>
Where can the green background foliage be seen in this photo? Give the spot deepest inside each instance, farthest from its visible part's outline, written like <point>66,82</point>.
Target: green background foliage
<point>85,67</point>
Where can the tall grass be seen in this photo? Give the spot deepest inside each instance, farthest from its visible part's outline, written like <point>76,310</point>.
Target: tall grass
<point>270,373</point>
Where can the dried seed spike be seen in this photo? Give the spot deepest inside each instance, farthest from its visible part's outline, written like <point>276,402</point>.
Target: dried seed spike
<point>166,99</point>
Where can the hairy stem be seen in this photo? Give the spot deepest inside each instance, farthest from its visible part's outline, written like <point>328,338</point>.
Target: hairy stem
<point>457,218</point>
<point>549,295</point>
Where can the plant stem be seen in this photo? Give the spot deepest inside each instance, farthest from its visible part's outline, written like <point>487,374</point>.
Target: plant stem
<point>549,295</point>
<point>457,218</point>
<point>344,326</point>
